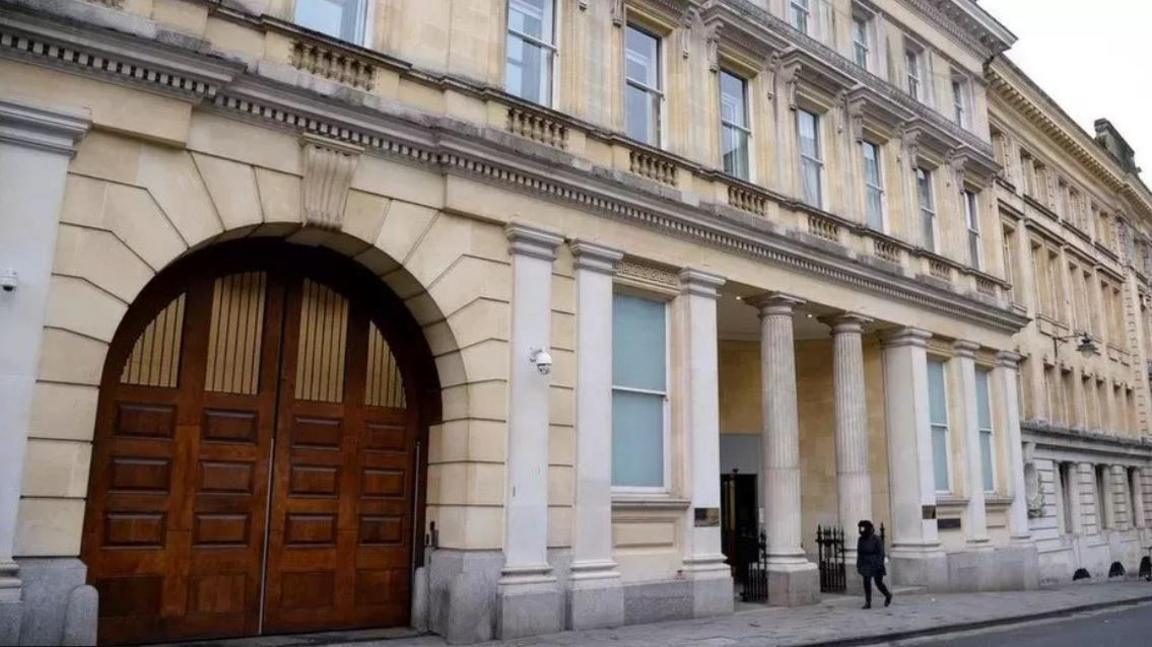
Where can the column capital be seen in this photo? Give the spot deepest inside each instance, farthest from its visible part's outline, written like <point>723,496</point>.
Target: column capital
<point>531,241</point>
<point>700,283</point>
<point>845,322</point>
<point>774,303</point>
<point>1008,359</point>
<point>595,258</point>
<point>55,130</point>
<point>964,348</point>
<point>907,336</point>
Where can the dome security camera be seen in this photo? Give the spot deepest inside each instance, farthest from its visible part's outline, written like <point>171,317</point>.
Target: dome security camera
<point>9,279</point>
<point>542,359</point>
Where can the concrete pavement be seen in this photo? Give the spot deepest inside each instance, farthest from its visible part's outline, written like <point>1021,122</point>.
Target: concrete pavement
<point>839,620</point>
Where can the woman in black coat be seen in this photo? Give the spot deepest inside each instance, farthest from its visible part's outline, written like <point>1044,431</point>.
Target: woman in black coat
<point>870,563</point>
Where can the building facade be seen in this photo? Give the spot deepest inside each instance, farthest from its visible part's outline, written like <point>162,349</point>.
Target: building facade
<point>500,317</point>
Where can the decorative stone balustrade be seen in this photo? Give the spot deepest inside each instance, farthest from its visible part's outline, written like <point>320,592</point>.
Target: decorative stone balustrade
<point>886,250</point>
<point>939,269</point>
<point>652,167</point>
<point>985,286</point>
<point>823,228</point>
<point>537,127</point>
<point>746,200</point>
<point>332,64</point>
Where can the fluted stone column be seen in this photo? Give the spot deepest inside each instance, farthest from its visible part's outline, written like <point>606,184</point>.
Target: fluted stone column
<point>595,597</point>
<point>792,579</point>
<point>916,555</point>
<point>528,600</point>
<point>975,516</point>
<point>36,144</point>
<point>699,375</point>
<point>853,482</point>
<point>1004,378</point>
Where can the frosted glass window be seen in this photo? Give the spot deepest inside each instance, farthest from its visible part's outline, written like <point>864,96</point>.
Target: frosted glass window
<point>343,19</point>
<point>938,415</point>
<point>528,70</point>
<point>984,422</point>
<point>811,160</point>
<point>639,391</point>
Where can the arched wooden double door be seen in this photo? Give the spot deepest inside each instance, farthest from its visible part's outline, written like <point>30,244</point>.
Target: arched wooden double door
<point>256,460</point>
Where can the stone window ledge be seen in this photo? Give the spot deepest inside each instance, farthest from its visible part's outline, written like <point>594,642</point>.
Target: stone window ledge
<point>648,502</point>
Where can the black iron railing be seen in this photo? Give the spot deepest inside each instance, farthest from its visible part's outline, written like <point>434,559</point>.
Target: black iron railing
<point>830,546</point>
<point>756,574</point>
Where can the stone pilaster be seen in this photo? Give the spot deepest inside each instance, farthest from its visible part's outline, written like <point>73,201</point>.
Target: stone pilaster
<point>528,600</point>
<point>916,555</point>
<point>854,483</point>
<point>704,561</point>
<point>792,578</point>
<point>36,143</point>
<point>595,597</point>
<point>1004,379</point>
<point>1136,480</point>
<point>975,516</point>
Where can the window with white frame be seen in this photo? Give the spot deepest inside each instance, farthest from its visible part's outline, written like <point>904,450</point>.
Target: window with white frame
<point>873,185</point>
<point>734,124</point>
<point>927,208</point>
<point>914,72</point>
<point>972,218</point>
<point>960,101</point>
<point>861,40</point>
<point>528,69</point>
<point>642,86</point>
<point>800,14</point>
<point>639,393</point>
<point>938,417</point>
<point>811,157</point>
<point>984,424</point>
<point>343,19</point>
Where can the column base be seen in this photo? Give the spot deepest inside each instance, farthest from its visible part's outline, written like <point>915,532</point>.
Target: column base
<point>595,603</point>
<point>793,585</point>
<point>528,607</point>
<point>928,569</point>
<point>11,613</point>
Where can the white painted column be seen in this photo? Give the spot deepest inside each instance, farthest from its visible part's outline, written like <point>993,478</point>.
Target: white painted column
<point>916,554</point>
<point>596,598</point>
<point>975,516</point>
<point>1136,477</point>
<point>527,574</point>
<point>1004,378</point>
<point>700,415</point>
<point>854,483</point>
<point>36,144</point>
<point>780,469</point>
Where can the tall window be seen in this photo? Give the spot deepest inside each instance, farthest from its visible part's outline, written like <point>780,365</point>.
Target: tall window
<point>528,73</point>
<point>1103,491</point>
<point>914,73</point>
<point>938,416</point>
<point>984,423</point>
<point>639,392</point>
<point>972,217</point>
<point>1136,496</point>
<point>861,44</point>
<point>960,101</point>
<point>1008,242</point>
<point>800,14</point>
<point>927,208</point>
<point>1068,488</point>
<point>343,19</point>
<point>642,86</point>
<point>811,160</point>
<point>734,124</point>
<point>873,186</point>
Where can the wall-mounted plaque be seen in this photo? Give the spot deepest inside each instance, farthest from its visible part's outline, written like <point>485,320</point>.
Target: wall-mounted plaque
<point>927,512</point>
<point>707,517</point>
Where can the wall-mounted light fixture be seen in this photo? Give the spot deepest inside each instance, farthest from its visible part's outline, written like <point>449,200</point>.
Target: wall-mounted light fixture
<point>9,279</point>
<point>1086,346</point>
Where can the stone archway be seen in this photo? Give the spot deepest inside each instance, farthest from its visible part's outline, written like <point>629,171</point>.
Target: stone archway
<point>256,461</point>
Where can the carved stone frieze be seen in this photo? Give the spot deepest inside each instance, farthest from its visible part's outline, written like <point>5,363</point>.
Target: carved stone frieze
<point>328,168</point>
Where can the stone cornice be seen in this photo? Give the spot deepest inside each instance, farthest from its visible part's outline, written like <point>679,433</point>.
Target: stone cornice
<point>1063,438</point>
<point>968,23</point>
<point>453,147</point>
<point>1022,95</point>
<point>42,128</point>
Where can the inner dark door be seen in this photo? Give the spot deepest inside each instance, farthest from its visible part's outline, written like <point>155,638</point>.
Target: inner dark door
<point>739,528</point>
